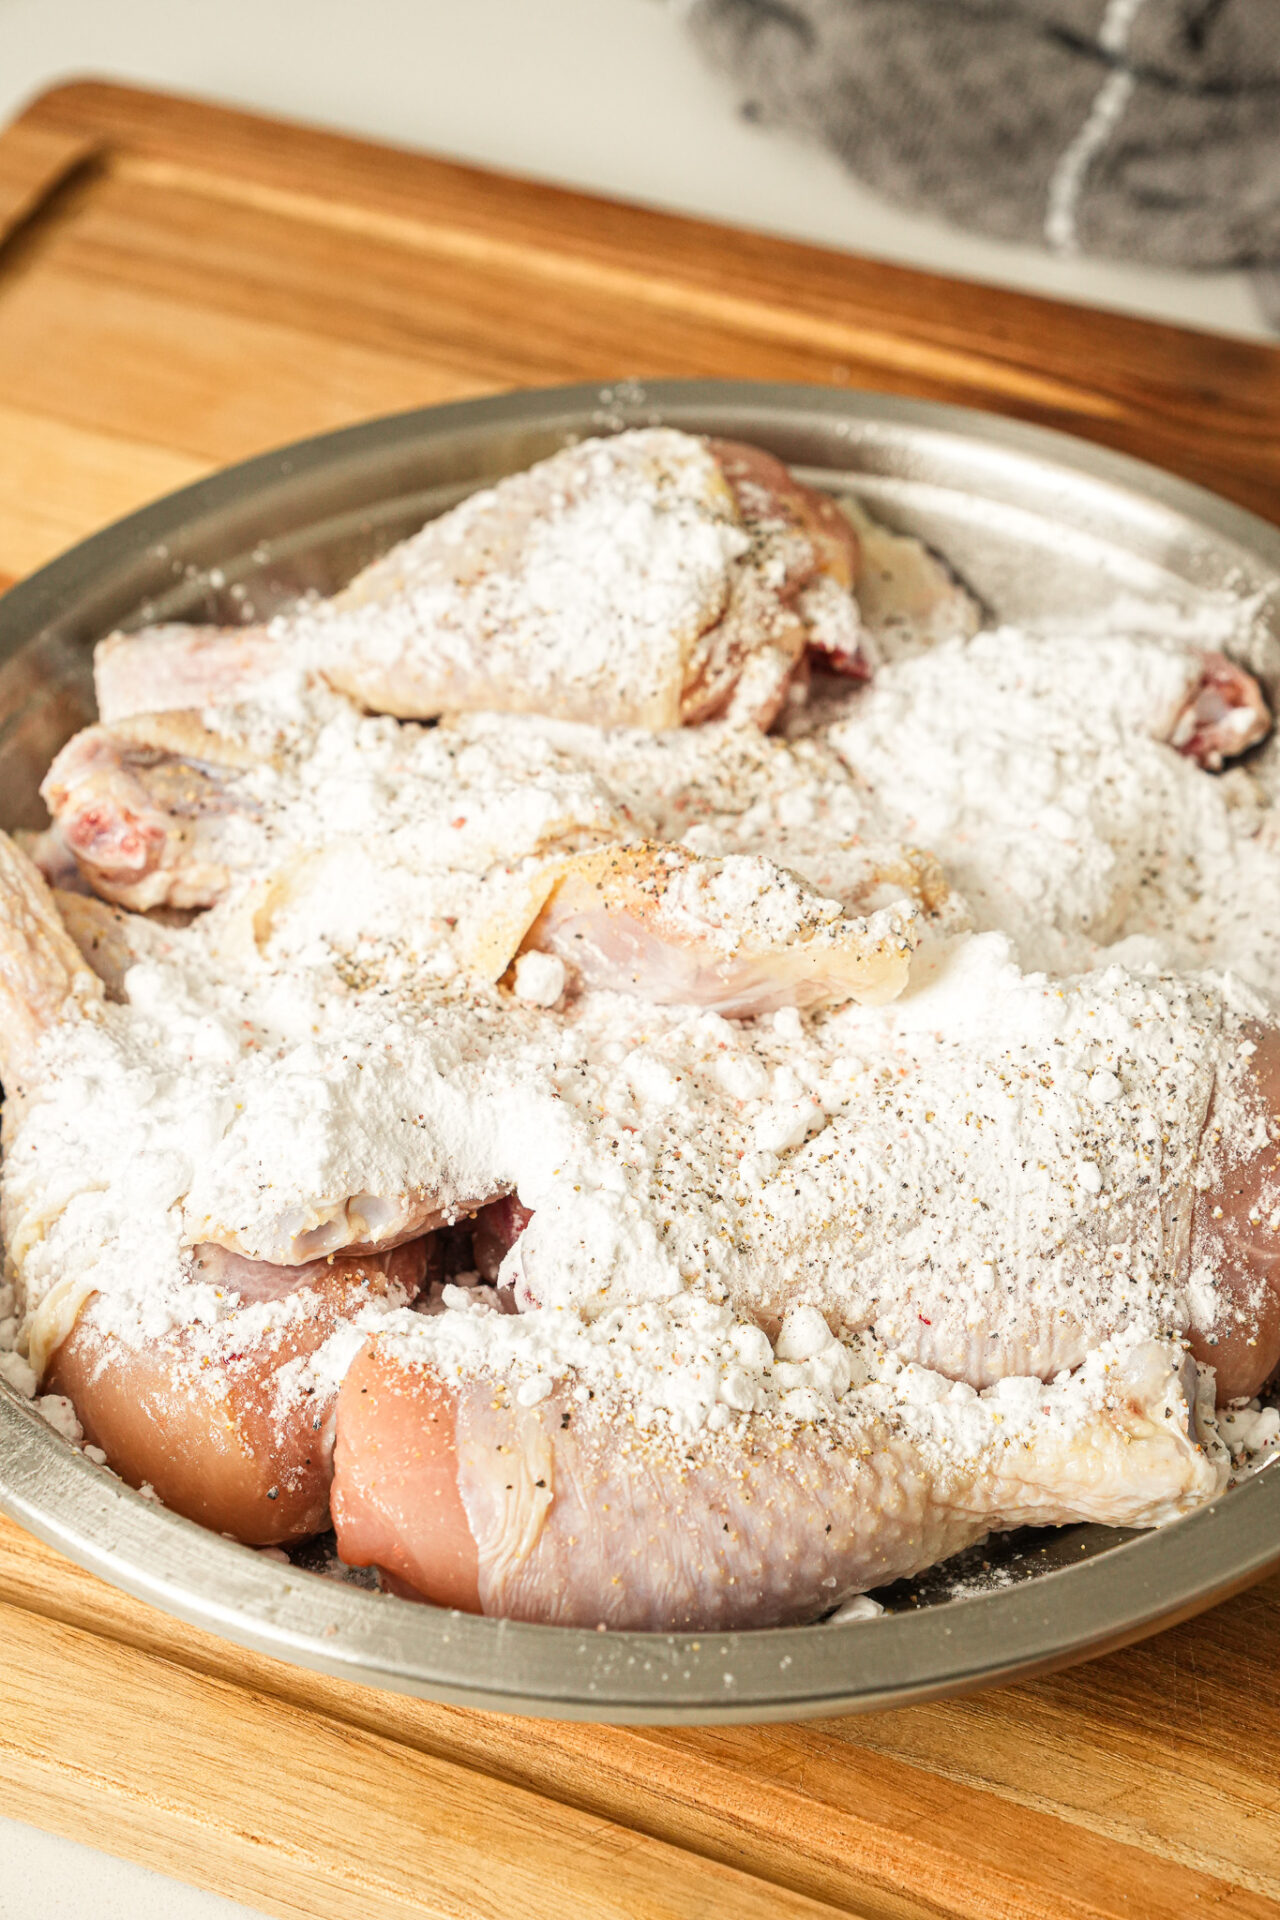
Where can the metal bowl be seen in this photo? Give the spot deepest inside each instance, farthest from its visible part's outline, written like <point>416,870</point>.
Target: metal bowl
<point>1036,523</point>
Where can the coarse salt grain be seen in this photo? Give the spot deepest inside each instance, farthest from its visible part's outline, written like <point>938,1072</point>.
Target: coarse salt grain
<point>539,978</point>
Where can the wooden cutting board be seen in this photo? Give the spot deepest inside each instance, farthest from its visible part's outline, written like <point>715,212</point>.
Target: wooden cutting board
<point>181,286</point>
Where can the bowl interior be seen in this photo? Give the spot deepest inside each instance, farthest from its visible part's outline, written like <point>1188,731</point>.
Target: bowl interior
<point>1038,526</point>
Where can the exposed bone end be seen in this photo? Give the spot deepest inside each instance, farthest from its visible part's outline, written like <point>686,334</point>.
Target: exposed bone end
<point>106,817</point>
<point>139,804</point>
<point>1224,715</point>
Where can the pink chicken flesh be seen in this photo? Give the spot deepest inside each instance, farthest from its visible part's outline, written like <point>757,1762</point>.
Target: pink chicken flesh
<point>738,936</point>
<point>1224,716</point>
<point>149,810</point>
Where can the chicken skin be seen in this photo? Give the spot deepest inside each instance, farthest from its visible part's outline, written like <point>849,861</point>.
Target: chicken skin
<point>568,1514</point>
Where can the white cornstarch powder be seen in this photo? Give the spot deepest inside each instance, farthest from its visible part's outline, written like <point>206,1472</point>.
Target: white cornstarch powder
<point>589,594</point>
<point>1035,766</point>
<point>943,1203</point>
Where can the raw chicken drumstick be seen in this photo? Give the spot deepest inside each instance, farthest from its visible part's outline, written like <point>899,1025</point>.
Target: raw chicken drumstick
<point>567,1512</point>
<point>1232,1251</point>
<point>224,1420</point>
<point>1101,1156</point>
<point>725,572</point>
<point>508,1465</point>
<point>648,580</point>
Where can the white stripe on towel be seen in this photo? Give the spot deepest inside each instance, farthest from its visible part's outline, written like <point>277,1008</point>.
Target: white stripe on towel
<point>1104,114</point>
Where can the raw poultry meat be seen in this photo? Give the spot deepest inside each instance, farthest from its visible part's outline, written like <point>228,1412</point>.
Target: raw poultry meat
<point>647,580</point>
<point>565,1514</point>
<point>666,1181</point>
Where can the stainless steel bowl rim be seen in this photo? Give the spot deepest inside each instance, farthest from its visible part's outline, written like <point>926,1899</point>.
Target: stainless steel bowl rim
<point>1043,1622</point>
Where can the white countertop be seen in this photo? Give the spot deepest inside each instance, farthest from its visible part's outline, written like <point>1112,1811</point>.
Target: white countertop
<point>605,94</point>
<point>43,1877</point>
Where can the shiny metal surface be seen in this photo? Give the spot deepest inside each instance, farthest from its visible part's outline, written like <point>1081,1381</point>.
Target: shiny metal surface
<point>1035,522</point>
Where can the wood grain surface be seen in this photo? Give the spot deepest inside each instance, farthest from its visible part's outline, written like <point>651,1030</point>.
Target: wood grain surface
<point>181,286</point>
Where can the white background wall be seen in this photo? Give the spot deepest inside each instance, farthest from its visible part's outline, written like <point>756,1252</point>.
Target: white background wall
<point>605,94</point>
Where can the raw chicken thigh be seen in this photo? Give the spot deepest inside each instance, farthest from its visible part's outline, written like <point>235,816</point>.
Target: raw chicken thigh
<point>206,1402</point>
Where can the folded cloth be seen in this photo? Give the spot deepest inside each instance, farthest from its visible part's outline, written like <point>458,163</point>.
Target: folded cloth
<point>1148,129</point>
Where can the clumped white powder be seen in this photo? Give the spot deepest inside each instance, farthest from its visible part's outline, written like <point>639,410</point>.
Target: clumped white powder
<point>1036,766</point>
<point>539,979</point>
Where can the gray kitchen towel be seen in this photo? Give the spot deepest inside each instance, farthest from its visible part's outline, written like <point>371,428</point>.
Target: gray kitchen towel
<point>1145,129</point>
